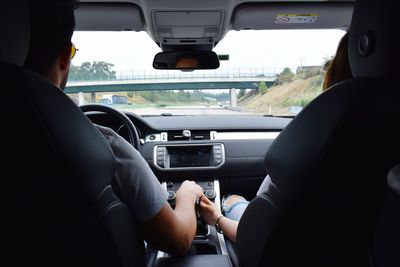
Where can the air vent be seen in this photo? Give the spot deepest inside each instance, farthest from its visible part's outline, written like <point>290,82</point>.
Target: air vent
<point>175,136</point>
<point>201,135</point>
<point>194,135</point>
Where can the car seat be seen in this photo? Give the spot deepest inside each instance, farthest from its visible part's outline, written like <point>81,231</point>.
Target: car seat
<point>328,167</point>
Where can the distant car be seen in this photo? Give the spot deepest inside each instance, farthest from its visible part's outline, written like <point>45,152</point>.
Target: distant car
<point>113,99</point>
<point>105,101</point>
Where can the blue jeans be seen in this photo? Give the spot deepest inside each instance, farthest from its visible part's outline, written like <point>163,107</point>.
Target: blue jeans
<point>235,211</point>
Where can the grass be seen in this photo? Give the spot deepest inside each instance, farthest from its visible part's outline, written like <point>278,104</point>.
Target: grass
<point>280,98</point>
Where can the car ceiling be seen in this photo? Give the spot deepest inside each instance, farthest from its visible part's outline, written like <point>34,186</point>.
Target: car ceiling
<point>194,24</point>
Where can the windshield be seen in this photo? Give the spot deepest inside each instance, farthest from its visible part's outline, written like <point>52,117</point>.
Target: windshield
<point>274,72</point>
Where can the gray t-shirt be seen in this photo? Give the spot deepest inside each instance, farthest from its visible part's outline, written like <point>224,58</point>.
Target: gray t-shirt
<point>139,188</point>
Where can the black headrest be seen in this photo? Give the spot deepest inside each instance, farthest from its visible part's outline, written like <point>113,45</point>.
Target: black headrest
<point>14,31</point>
<point>394,179</point>
<point>372,39</point>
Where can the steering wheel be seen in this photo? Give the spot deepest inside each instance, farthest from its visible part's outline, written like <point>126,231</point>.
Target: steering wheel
<point>121,117</point>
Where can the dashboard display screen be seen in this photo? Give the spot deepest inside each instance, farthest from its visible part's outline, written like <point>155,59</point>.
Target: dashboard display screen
<point>190,156</point>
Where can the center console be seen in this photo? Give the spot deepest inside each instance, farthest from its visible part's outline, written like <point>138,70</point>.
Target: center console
<point>208,245</point>
<point>207,240</point>
<point>203,230</point>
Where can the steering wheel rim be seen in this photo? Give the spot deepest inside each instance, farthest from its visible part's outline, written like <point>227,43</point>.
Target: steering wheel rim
<point>131,129</point>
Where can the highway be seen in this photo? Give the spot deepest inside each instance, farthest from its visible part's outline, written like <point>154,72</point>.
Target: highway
<point>187,110</point>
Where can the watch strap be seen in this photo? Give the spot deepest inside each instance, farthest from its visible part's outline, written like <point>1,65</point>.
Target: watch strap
<point>217,225</point>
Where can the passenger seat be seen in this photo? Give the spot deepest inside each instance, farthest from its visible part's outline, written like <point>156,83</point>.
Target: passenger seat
<point>386,238</point>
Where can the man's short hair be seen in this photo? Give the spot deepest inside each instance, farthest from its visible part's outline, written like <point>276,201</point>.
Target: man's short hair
<point>52,26</point>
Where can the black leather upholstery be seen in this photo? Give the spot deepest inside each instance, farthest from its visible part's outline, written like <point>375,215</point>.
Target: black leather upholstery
<point>386,238</point>
<point>14,27</point>
<point>394,179</point>
<point>57,201</point>
<point>195,261</point>
<point>376,19</point>
<point>330,166</point>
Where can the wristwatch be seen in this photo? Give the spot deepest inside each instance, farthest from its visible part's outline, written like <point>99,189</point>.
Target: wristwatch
<point>218,226</point>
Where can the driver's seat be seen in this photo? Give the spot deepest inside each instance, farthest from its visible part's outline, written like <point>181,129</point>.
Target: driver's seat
<point>57,204</point>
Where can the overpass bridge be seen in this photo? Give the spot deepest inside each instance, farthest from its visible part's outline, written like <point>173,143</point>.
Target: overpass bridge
<point>175,80</point>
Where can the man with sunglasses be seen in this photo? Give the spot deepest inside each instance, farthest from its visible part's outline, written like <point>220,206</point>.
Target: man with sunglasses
<point>50,54</point>
<point>73,50</point>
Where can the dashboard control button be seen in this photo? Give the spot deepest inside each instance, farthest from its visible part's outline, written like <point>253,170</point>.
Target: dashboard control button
<point>210,194</point>
<point>217,161</point>
<point>170,184</point>
<point>160,164</point>
<point>217,148</point>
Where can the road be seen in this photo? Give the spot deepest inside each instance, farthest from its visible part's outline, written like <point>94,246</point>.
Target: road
<point>188,110</point>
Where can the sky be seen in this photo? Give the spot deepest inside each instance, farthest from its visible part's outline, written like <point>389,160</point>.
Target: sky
<point>272,50</point>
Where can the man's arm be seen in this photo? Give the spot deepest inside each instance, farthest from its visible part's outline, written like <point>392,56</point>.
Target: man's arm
<point>173,231</point>
<point>169,230</point>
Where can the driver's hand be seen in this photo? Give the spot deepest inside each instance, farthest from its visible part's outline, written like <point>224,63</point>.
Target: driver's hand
<point>189,190</point>
<point>208,212</point>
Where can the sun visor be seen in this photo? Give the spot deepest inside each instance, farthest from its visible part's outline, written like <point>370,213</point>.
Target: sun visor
<point>292,16</point>
<point>108,17</point>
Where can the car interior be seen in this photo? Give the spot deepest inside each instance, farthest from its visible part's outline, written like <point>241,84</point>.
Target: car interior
<point>334,195</point>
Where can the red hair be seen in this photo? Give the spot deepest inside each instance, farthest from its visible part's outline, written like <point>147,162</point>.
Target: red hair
<point>339,68</point>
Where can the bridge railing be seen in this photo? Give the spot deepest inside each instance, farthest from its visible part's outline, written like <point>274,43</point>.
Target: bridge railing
<point>151,74</point>
<point>176,74</point>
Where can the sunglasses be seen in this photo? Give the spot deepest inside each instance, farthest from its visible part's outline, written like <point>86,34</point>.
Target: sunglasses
<point>73,51</point>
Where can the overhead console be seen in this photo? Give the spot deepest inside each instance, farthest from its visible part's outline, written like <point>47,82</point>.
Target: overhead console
<point>186,157</point>
<point>172,28</point>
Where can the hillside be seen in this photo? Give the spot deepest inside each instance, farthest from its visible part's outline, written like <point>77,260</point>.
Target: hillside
<point>279,99</point>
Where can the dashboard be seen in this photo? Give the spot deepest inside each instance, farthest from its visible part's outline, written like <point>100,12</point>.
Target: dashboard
<point>202,146</point>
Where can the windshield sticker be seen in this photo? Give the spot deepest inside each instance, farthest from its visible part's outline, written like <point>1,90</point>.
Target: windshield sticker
<point>296,18</point>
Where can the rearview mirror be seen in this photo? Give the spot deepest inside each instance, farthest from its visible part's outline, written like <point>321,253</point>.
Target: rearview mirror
<point>186,60</point>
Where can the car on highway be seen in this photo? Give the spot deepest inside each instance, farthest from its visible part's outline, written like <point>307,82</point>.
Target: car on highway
<point>250,110</point>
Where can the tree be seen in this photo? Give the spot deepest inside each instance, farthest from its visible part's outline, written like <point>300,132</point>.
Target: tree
<point>241,94</point>
<point>262,88</point>
<point>285,76</point>
<point>98,70</point>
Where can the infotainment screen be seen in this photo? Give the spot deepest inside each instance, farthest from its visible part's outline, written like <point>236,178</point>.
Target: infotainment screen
<point>190,156</point>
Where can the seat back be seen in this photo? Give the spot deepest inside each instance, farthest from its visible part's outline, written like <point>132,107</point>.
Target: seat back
<point>386,238</point>
<point>56,196</point>
<point>330,163</point>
